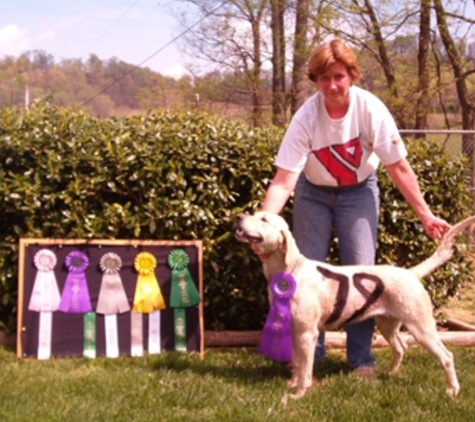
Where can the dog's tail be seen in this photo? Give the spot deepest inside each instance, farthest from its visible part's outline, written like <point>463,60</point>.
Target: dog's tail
<point>444,251</point>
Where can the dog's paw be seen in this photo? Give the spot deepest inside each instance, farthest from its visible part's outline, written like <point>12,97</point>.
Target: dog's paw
<point>453,391</point>
<point>393,371</point>
<point>298,394</point>
<point>292,382</point>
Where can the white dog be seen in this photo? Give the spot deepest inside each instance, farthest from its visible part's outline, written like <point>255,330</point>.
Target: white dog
<point>328,296</point>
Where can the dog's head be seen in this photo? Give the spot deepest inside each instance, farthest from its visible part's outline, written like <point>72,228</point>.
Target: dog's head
<point>267,233</point>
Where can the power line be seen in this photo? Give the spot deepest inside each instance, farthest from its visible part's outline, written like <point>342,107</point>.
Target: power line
<point>155,53</point>
<point>78,26</point>
<point>111,26</point>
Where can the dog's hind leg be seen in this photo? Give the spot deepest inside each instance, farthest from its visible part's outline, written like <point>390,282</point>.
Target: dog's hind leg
<point>426,335</point>
<point>390,330</point>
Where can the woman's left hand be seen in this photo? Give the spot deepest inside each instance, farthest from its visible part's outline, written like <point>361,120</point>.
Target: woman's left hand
<point>436,227</point>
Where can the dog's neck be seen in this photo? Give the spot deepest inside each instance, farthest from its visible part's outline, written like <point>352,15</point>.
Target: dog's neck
<point>263,257</point>
<point>273,264</point>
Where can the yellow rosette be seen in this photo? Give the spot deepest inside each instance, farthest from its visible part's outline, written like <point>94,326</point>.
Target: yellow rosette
<point>148,296</point>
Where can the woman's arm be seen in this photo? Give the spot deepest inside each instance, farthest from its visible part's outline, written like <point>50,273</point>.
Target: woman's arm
<point>278,193</point>
<point>406,181</point>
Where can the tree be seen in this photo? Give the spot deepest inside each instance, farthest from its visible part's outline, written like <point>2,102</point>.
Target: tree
<point>229,35</point>
<point>278,62</point>
<point>423,66</point>
<point>466,101</point>
<point>300,56</point>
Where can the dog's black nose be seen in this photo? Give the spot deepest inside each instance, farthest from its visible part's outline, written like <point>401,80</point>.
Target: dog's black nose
<point>238,219</point>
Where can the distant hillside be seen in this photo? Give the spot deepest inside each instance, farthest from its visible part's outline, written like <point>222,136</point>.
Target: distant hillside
<point>104,88</point>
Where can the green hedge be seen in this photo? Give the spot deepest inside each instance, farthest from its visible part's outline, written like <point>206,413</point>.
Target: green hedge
<point>65,174</point>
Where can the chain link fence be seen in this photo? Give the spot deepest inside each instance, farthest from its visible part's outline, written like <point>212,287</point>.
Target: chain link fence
<point>456,142</point>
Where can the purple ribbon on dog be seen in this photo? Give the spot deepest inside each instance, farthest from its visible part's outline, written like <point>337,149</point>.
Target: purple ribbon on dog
<point>276,339</point>
<point>75,296</point>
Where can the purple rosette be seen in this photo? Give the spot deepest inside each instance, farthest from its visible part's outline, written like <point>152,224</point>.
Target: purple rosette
<point>75,297</point>
<point>276,339</point>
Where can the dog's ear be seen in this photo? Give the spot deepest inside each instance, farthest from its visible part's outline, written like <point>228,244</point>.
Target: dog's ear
<point>288,247</point>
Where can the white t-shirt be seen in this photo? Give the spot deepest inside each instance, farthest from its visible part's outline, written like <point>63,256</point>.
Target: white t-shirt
<point>341,152</point>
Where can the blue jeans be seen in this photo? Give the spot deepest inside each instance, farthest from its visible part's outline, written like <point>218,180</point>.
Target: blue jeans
<point>352,214</point>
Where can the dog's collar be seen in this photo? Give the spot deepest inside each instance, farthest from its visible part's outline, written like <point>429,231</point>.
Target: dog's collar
<point>266,256</point>
<point>296,263</point>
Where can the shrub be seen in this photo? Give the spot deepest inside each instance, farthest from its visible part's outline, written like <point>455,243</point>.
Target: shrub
<point>65,174</point>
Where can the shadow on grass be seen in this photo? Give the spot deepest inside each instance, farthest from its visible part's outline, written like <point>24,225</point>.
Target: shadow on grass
<point>248,368</point>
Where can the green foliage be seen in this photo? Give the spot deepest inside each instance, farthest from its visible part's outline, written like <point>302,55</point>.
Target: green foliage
<point>65,174</point>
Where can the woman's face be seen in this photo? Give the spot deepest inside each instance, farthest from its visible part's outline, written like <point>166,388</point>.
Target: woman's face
<point>335,84</point>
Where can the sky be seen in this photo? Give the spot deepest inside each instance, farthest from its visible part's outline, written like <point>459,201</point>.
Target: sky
<point>129,30</point>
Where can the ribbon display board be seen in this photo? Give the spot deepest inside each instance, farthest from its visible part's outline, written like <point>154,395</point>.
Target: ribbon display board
<point>109,298</point>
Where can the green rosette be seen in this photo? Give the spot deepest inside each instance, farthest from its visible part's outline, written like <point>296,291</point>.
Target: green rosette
<point>183,289</point>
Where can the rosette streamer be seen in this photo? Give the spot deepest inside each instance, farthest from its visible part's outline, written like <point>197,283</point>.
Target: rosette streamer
<point>45,330</point>
<point>89,335</point>
<point>179,325</point>
<point>75,296</point>
<point>148,296</point>
<point>183,290</point>
<point>112,298</point>
<point>136,334</point>
<point>276,339</point>
<point>45,296</point>
<point>154,340</point>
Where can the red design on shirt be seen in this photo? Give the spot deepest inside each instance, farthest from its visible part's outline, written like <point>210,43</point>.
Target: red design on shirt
<point>342,161</point>
<point>350,151</point>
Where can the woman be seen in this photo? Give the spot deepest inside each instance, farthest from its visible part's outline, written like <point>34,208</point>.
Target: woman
<point>329,156</point>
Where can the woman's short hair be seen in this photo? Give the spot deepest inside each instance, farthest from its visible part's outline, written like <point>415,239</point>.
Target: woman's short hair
<point>327,54</point>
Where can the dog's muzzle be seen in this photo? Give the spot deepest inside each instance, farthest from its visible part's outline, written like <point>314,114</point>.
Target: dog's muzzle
<point>243,234</point>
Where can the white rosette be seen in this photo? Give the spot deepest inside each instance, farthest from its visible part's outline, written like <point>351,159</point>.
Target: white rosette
<point>45,296</point>
<point>45,299</point>
<point>112,300</point>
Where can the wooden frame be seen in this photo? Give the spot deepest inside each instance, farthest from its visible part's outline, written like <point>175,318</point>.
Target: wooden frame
<point>67,328</point>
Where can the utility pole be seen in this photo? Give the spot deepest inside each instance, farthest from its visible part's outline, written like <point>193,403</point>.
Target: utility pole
<point>27,97</point>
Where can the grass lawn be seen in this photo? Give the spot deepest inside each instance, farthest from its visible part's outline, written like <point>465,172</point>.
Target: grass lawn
<point>228,385</point>
<point>235,385</point>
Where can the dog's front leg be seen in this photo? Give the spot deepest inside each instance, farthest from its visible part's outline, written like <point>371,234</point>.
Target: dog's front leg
<point>302,363</point>
<point>292,382</point>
